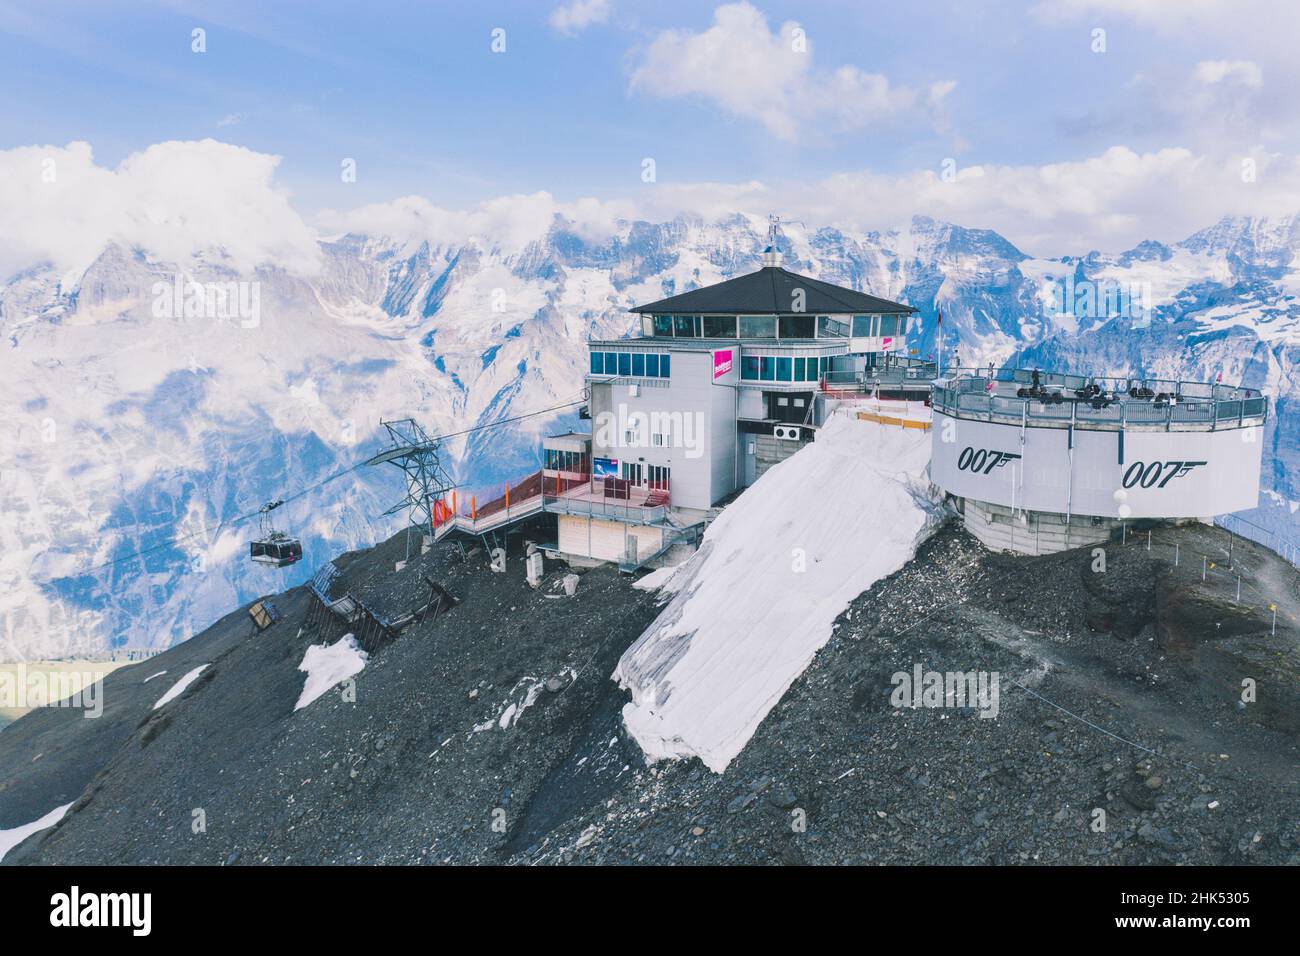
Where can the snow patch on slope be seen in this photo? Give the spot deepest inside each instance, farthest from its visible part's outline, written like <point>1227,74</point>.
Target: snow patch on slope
<point>754,605</point>
<point>11,838</point>
<point>178,688</point>
<point>327,665</point>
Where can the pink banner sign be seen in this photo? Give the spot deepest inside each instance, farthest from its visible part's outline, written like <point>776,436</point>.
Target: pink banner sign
<point>721,362</point>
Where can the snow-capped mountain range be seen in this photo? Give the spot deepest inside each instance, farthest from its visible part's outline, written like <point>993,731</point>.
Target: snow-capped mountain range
<point>140,417</point>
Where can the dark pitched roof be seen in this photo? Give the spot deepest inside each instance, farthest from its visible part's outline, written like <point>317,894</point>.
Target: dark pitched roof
<point>770,291</point>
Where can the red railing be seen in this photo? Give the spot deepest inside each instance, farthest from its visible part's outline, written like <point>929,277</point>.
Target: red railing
<point>502,497</point>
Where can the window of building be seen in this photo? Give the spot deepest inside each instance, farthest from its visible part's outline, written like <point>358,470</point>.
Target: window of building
<point>797,326</point>
<point>782,400</point>
<point>575,461</point>
<point>864,326</point>
<point>758,326</point>
<point>719,326</point>
<point>783,369</point>
<point>749,367</point>
<point>889,325</point>
<point>630,364</point>
<point>767,368</point>
<point>799,367</point>
<point>632,472</point>
<point>829,327</point>
<point>663,325</point>
<point>686,326</point>
<point>658,476</point>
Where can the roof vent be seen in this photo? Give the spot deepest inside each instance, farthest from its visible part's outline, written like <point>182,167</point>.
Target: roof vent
<point>772,254</point>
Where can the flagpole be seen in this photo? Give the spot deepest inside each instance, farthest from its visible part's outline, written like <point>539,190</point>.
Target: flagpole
<point>940,345</point>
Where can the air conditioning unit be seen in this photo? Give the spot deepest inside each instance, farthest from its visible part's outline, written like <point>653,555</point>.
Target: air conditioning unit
<point>787,432</point>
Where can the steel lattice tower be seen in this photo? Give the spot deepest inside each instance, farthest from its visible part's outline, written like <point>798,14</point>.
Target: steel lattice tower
<point>427,481</point>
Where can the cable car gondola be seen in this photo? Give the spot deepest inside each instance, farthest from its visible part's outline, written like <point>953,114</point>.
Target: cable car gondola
<point>274,547</point>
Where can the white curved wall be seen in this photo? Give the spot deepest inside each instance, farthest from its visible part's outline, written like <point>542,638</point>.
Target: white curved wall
<point>1159,474</point>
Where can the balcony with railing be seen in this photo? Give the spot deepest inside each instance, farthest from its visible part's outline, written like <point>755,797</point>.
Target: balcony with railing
<point>1061,399</point>
<point>613,499</point>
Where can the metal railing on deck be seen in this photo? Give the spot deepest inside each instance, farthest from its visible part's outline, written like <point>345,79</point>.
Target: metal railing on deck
<point>613,509</point>
<point>1200,404</point>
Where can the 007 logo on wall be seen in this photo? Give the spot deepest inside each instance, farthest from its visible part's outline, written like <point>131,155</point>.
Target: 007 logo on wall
<point>982,461</point>
<point>1147,475</point>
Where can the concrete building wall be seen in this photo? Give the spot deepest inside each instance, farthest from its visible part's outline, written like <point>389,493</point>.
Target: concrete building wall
<point>605,540</point>
<point>1032,532</point>
<point>751,403</point>
<point>702,456</point>
<point>1153,473</point>
<point>771,451</point>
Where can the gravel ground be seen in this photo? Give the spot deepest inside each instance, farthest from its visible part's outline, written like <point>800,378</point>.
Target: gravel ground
<point>492,734</point>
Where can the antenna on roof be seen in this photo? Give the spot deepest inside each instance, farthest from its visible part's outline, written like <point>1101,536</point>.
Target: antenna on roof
<point>772,254</point>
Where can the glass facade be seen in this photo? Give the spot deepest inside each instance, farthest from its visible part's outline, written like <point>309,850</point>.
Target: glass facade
<point>873,326</point>
<point>631,364</point>
<point>576,461</point>
<point>829,327</point>
<point>797,326</point>
<point>719,326</point>
<point>782,368</point>
<point>758,326</point>
<point>776,327</point>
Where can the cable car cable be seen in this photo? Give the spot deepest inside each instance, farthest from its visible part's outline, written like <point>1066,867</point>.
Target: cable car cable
<point>172,542</point>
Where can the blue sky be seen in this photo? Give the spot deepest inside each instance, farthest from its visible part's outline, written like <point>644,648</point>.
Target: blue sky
<point>413,92</point>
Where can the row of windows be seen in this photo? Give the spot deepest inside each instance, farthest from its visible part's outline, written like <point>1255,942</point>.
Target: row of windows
<point>782,368</point>
<point>655,477</point>
<point>556,460</point>
<point>773,326</point>
<point>631,364</point>
<point>879,325</point>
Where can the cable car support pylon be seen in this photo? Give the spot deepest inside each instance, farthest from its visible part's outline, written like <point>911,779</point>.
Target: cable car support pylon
<point>413,451</point>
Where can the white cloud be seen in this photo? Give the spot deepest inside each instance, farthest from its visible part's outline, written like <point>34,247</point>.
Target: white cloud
<point>231,119</point>
<point>578,15</point>
<point>178,199</point>
<point>1109,202</point>
<point>1216,71</point>
<point>174,200</point>
<point>748,70</point>
<point>507,223</point>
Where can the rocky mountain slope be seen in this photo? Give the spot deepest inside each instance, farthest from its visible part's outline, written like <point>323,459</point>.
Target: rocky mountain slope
<point>492,733</point>
<point>135,425</point>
